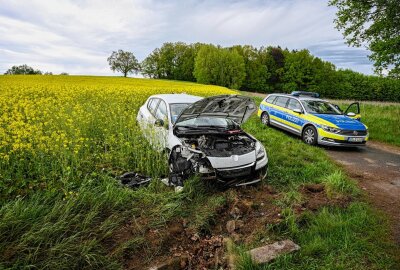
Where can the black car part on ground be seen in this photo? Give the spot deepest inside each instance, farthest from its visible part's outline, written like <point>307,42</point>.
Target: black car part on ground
<point>133,180</point>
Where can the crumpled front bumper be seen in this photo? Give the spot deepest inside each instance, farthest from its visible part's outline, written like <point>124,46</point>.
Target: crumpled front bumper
<point>247,174</point>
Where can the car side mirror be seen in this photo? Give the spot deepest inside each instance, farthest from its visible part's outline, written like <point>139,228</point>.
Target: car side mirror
<point>297,111</point>
<point>351,114</point>
<point>159,123</point>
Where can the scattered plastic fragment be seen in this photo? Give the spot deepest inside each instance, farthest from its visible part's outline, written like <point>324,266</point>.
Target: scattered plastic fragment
<point>134,180</point>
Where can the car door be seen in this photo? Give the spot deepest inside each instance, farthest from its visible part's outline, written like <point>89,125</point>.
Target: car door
<point>294,114</point>
<point>280,105</point>
<point>353,111</point>
<point>148,119</point>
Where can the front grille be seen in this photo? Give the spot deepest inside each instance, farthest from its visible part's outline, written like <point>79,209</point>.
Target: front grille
<point>353,132</point>
<point>234,173</point>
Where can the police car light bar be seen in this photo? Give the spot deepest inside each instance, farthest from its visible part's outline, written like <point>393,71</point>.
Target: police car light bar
<point>303,93</point>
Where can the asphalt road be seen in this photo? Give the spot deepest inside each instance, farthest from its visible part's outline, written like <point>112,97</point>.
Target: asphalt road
<point>377,169</point>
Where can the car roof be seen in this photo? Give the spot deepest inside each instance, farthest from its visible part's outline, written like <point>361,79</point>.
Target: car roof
<point>297,97</point>
<point>177,98</point>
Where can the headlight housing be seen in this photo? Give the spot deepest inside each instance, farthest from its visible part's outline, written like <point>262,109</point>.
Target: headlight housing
<point>260,151</point>
<point>331,129</point>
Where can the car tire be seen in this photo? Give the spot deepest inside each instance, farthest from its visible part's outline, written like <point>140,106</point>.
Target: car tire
<point>265,119</point>
<point>310,135</point>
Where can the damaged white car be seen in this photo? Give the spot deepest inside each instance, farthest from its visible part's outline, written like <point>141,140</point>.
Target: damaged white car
<point>203,136</point>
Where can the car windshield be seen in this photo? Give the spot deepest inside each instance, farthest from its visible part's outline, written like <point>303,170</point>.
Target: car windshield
<point>319,107</point>
<point>176,110</point>
<point>208,122</point>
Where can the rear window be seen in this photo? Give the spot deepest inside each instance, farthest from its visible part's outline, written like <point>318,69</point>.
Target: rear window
<point>281,101</point>
<point>153,105</point>
<point>270,99</point>
<point>161,112</point>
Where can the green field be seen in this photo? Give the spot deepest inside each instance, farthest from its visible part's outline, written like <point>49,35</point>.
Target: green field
<point>64,138</point>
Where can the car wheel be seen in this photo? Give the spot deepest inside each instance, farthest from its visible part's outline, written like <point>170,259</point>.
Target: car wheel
<point>310,135</point>
<point>265,118</point>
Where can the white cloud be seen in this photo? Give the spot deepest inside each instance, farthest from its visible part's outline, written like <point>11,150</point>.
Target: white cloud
<point>77,36</point>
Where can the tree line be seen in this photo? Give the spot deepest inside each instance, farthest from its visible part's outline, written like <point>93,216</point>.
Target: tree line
<point>27,70</point>
<point>265,70</point>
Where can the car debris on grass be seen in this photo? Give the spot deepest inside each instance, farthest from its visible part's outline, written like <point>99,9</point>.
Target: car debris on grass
<point>133,180</point>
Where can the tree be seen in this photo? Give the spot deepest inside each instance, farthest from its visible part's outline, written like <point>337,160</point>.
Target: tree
<point>257,73</point>
<point>124,62</point>
<point>375,23</point>
<point>173,61</point>
<point>303,71</point>
<point>275,66</point>
<point>219,66</point>
<point>184,61</point>
<point>151,65</point>
<point>22,70</point>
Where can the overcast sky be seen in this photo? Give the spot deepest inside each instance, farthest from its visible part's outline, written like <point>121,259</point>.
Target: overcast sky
<point>77,36</point>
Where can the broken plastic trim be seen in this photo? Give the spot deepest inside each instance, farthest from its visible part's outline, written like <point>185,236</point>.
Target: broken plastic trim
<point>133,180</point>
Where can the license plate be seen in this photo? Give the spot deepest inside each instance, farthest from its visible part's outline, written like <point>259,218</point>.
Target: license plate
<point>355,139</point>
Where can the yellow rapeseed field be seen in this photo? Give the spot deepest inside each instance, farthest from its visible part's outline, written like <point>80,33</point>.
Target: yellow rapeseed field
<point>56,130</point>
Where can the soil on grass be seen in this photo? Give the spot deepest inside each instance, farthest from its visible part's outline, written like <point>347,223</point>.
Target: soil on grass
<point>377,169</point>
<point>243,219</point>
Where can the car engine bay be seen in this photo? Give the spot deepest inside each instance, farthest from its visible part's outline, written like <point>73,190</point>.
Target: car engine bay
<point>191,157</point>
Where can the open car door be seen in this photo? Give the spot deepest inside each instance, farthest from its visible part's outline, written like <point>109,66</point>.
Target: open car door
<point>353,111</point>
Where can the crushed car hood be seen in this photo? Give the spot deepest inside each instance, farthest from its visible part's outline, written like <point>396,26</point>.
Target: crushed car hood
<point>235,107</point>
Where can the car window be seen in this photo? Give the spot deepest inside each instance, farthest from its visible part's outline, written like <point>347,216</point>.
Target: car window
<point>153,105</point>
<point>176,110</point>
<point>294,104</point>
<point>270,99</point>
<point>149,103</point>
<point>281,101</point>
<point>161,112</point>
<point>319,107</point>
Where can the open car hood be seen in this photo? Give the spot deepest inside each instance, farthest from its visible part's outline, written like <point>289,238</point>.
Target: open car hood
<point>235,107</point>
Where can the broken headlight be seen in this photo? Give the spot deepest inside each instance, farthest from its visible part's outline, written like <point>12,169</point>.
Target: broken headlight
<point>260,151</point>
<point>331,129</point>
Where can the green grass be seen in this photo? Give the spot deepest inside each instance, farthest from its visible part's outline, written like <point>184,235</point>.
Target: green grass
<point>333,238</point>
<point>79,227</point>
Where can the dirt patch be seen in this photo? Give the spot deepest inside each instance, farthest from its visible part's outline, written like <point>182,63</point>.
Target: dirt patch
<point>243,219</point>
<point>314,197</point>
